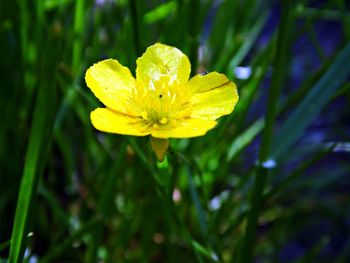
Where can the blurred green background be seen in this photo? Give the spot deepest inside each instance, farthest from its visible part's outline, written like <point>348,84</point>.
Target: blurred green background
<point>269,184</point>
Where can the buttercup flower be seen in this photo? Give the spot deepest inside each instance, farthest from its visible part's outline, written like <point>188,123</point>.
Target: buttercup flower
<point>162,101</point>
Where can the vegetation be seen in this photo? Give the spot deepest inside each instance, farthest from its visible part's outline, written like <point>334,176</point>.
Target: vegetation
<point>268,184</point>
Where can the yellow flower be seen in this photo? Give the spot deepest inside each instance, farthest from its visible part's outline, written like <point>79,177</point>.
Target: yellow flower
<point>162,101</point>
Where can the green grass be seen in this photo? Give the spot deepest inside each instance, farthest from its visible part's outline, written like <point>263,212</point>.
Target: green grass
<point>72,194</point>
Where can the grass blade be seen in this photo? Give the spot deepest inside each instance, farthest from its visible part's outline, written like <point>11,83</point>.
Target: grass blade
<point>312,104</point>
<point>197,204</point>
<point>244,139</point>
<point>261,173</point>
<point>247,45</point>
<point>37,149</point>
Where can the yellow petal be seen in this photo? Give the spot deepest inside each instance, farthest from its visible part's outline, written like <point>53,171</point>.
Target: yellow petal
<point>213,95</point>
<point>111,83</point>
<point>107,120</point>
<point>183,128</point>
<point>159,147</point>
<point>162,60</point>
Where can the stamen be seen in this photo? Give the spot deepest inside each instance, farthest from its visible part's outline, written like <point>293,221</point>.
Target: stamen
<point>144,115</point>
<point>164,120</point>
<point>151,85</point>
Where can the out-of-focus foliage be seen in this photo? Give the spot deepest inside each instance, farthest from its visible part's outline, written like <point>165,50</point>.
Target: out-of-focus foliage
<point>92,197</point>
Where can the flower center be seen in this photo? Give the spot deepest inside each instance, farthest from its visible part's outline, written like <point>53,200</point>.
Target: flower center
<point>161,102</point>
<point>156,109</point>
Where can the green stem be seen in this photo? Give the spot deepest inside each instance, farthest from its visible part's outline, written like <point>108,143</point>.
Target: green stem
<point>262,173</point>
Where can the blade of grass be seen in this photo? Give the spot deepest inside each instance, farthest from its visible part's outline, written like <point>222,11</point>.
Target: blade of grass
<point>318,13</point>
<point>312,103</point>
<point>160,12</point>
<point>293,99</point>
<point>193,16</point>
<point>37,149</point>
<point>247,45</point>
<point>249,91</point>
<point>298,171</point>
<point>250,88</point>
<point>217,37</point>
<point>197,204</point>
<point>78,34</point>
<point>53,4</point>
<point>135,26</point>
<point>243,140</point>
<point>314,40</point>
<point>261,173</point>
<point>231,62</point>
<point>346,20</point>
